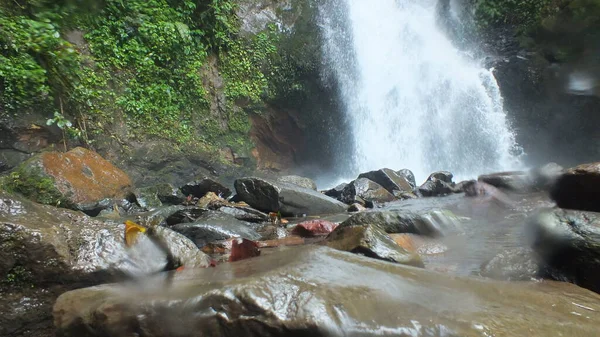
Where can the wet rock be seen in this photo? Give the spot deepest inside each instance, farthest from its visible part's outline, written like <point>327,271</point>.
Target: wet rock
<point>370,240</point>
<point>299,181</point>
<point>431,223</point>
<point>157,195</point>
<point>578,188</point>
<point>79,179</point>
<point>460,187</point>
<point>520,264</point>
<point>568,242</point>
<point>214,226</point>
<point>211,200</point>
<point>389,180</point>
<point>242,249</point>
<point>367,190</point>
<point>444,176</point>
<point>405,195</point>
<point>198,188</point>
<point>419,244</point>
<point>45,251</point>
<point>486,193</point>
<point>518,181</point>
<point>245,213</point>
<point>434,187</point>
<point>318,292</point>
<point>336,192</point>
<point>409,176</point>
<point>314,228</point>
<point>356,207</point>
<point>185,215</point>
<point>289,199</point>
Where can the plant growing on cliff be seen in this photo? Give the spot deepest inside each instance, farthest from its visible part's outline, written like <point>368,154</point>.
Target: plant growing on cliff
<point>524,14</point>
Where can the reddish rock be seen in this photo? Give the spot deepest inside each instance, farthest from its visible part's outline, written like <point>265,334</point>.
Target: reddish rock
<point>80,176</point>
<point>242,249</point>
<point>314,228</point>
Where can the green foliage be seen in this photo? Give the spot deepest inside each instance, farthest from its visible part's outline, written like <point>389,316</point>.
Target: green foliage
<point>18,276</point>
<point>33,184</point>
<point>524,14</point>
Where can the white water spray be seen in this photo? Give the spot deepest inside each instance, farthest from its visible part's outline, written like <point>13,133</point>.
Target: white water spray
<point>412,99</point>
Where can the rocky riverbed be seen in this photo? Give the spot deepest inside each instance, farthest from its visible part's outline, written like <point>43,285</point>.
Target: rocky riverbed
<point>83,252</point>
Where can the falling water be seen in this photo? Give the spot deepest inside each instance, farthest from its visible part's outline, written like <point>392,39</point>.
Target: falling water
<point>413,100</point>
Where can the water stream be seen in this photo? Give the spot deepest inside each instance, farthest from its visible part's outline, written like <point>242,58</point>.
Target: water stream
<point>412,99</point>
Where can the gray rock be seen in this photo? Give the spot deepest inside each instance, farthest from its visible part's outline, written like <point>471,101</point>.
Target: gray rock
<point>579,188</point>
<point>409,176</point>
<point>318,292</point>
<point>519,181</point>
<point>336,192</point>
<point>157,195</point>
<point>434,187</point>
<point>366,190</point>
<point>431,223</point>
<point>444,176</point>
<point>389,180</point>
<point>568,242</point>
<point>289,199</point>
<point>300,181</point>
<point>245,213</point>
<point>215,226</point>
<point>370,240</point>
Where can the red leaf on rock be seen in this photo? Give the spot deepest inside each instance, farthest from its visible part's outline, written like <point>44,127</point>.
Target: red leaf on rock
<point>314,228</point>
<point>242,249</point>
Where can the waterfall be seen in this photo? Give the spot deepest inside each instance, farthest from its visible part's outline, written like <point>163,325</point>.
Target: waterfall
<point>412,99</point>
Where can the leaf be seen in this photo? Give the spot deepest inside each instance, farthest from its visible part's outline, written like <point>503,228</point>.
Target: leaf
<point>132,230</point>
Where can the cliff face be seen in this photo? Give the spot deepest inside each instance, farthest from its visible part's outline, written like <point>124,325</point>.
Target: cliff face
<point>173,88</point>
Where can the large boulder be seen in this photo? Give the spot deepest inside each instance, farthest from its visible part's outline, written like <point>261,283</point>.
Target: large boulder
<point>300,181</point>
<point>289,199</point>
<point>199,187</point>
<point>46,250</point>
<point>79,179</point>
<point>366,190</point>
<point>389,180</point>
<point>437,184</point>
<point>579,188</point>
<point>318,292</point>
<point>568,242</point>
<point>432,223</point>
<point>214,226</point>
<point>372,241</point>
<point>157,195</point>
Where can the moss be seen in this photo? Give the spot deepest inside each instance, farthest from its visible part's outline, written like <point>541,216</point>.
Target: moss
<point>32,183</point>
<point>18,277</point>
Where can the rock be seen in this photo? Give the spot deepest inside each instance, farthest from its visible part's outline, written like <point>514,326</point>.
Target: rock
<point>444,176</point>
<point>568,242</point>
<point>335,192</point>
<point>79,179</point>
<point>405,195</point>
<point>460,187</point>
<point>486,193</point>
<point>185,215</point>
<point>215,226</point>
<point>367,190</point>
<point>45,251</point>
<point>419,244</point>
<point>520,264</point>
<point>245,213</point>
<point>409,176</point>
<point>211,200</point>
<point>389,180</point>
<point>314,228</point>
<point>299,181</point>
<point>157,195</point>
<point>434,187</point>
<point>431,223</point>
<point>519,181</point>
<point>198,188</point>
<point>318,292</point>
<point>356,207</point>
<point>579,188</point>
<point>242,249</point>
<point>286,198</point>
<point>370,240</point>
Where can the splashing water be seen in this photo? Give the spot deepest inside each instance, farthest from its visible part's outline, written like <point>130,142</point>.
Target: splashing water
<point>412,99</point>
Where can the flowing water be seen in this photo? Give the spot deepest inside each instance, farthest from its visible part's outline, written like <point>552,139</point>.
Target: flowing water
<point>412,99</point>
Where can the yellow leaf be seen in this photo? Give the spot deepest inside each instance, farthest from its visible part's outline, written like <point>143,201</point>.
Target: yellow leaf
<point>132,230</point>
